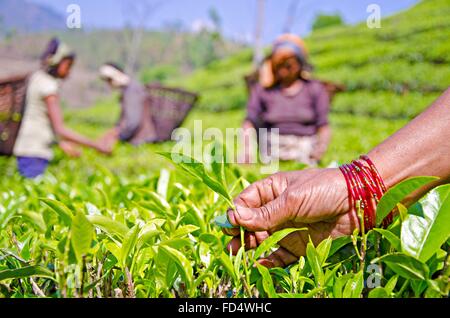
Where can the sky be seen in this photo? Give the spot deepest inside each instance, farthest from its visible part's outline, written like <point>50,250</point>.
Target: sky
<point>238,16</point>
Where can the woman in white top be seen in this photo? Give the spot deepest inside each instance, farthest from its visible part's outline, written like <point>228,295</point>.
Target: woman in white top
<point>43,123</point>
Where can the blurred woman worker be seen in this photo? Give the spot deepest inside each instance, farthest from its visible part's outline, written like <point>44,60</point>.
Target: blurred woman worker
<point>285,98</point>
<point>135,124</point>
<point>42,123</point>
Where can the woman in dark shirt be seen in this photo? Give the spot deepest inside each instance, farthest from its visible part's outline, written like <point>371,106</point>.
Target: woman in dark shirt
<point>287,100</point>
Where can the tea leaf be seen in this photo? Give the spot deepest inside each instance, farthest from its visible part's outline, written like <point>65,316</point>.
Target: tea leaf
<point>59,208</point>
<point>315,262</point>
<point>397,193</point>
<point>25,272</point>
<point>82,233</point>
<point>163,183</point>
<point>323,250</point>
<point>228,265</point>
<point>391,237</point>
<point>197,170</point>
<point>128,244</point>
<point>378,292</point>
<point>238,259</point>
<point>213,242</point>
<point>267,281</point>
<point>390,285</point>
<point>183,264</point>
<point>339,243</point>
<point>35,219</point>
<point>272,240</point>
<point>218,166</point>
<point>406,266</point>
<point>185,230</point>
<point>421,237</point>
<point>108,225</point>
<point>223,222</point>
<point>354,286</point>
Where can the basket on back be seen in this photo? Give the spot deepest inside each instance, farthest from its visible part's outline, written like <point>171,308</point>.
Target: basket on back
<point>12,108</point>
<point>170,106</point>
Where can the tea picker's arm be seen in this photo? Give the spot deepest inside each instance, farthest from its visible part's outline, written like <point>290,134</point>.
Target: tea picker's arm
<point>319,198</point>
<point>56,118</point>
<point>421,148</point>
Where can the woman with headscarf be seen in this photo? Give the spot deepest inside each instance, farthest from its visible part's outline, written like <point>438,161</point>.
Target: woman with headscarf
<point>43,122</point>
<point>288,100</point>
<point>135,124</point>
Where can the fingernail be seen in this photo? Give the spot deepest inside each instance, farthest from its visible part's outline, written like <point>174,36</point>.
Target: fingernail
<point>231,217</point>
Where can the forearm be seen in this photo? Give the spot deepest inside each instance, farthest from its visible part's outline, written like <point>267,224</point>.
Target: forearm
<point>72,136</point>
<point>421,148</point>
<point>323,138</point>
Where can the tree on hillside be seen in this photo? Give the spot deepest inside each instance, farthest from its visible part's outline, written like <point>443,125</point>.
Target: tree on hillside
<point>216,19</point>
<point>326,20</point>
<point>258,50</point>
<point>137,14</point>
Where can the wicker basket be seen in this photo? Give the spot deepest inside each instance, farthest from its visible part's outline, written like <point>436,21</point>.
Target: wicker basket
<point>12,107</point>
<point>170,106</point>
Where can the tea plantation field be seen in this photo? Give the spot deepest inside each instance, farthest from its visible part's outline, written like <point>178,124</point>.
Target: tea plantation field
<point>136,225</point>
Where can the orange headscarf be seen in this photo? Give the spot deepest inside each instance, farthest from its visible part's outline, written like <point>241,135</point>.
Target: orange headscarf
<point>285,46</point>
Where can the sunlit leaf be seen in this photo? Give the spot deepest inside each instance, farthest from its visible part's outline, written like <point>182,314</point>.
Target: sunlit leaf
<point>184,266</point>
<point>108,225</point>
<point>354,286</point>
<point>228,265</point>
<point>315,262</point>
<point>267,281</point>
<point>128,244</point>
<point>25,272</point>
<point>397,193</point>
<point>35,219</point>
<point>421,237</point>
<point>391,237</point>
<point>406,266</point>
<point>272,240</point>
<point>59,208</point>
<point>82,233</point>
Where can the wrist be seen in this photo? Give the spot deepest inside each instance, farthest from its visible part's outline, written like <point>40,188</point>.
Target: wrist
<point>365,187</point>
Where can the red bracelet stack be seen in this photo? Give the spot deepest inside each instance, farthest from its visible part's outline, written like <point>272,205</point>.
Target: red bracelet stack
<point>365,189</point>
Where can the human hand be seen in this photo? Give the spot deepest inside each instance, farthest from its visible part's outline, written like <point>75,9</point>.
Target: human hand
<point>317,153</point>
<point>314,198</point>
<point>103,147</point>
<point>70,149</point>
<point>110,138</point>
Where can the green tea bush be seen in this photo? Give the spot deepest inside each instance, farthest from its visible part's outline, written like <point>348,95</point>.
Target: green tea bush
<point>155,237</point>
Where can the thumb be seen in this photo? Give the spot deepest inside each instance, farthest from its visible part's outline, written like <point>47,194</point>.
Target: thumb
<point>265,218</point>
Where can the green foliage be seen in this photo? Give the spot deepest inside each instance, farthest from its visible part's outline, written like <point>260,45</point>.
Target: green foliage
<point>422,236</point>
<point>326,20</point>
<point>397,193</point>
<point>160,73</point>
<point>148,239</point>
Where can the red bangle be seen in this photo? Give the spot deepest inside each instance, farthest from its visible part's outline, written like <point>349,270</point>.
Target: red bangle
<point>365,189</point>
